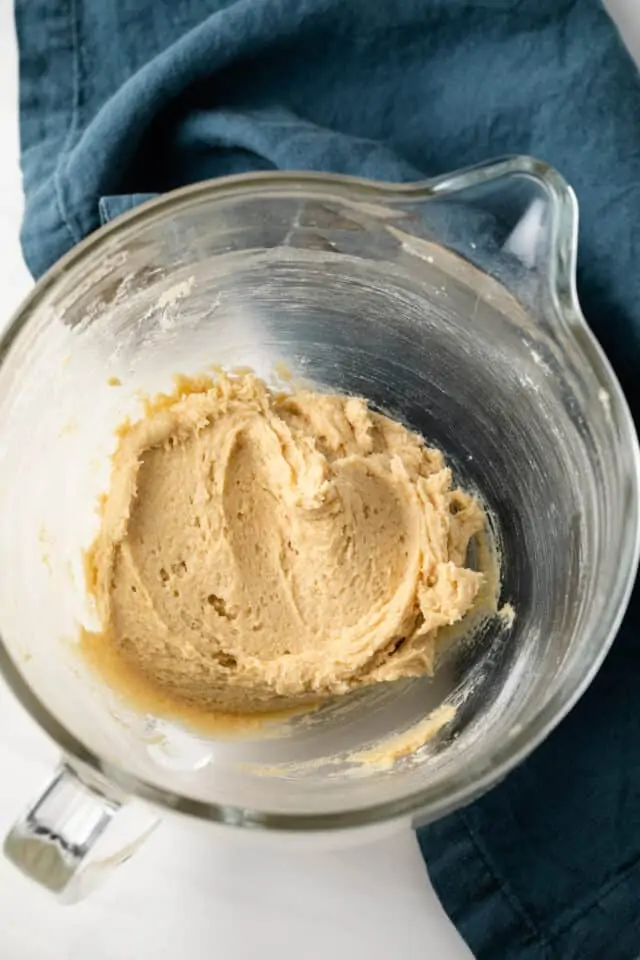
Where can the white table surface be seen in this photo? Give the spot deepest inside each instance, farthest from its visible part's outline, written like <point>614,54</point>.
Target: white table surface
<point>187,893</point>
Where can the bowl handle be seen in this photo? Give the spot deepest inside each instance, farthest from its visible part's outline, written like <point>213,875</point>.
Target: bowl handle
<point>74,835</point>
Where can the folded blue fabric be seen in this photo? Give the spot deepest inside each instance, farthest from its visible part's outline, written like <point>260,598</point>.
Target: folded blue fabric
<point>123,100</point>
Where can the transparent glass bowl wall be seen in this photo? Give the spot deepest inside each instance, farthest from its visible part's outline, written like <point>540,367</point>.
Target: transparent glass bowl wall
<point>450,305</point>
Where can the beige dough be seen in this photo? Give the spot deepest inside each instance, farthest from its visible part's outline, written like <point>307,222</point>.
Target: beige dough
<point>260,549</point>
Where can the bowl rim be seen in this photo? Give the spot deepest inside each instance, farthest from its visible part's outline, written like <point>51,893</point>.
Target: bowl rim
<point>438,799</point>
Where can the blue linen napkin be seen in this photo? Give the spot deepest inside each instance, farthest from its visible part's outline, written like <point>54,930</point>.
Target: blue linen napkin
<point>120,101</point>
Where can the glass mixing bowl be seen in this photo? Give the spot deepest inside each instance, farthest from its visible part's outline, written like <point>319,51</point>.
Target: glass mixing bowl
<point>451,305</point>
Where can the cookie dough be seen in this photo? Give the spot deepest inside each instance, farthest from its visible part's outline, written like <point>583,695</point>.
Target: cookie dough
<point>259,549</point>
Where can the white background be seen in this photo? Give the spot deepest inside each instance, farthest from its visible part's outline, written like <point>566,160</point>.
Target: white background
<point>187,893</point>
